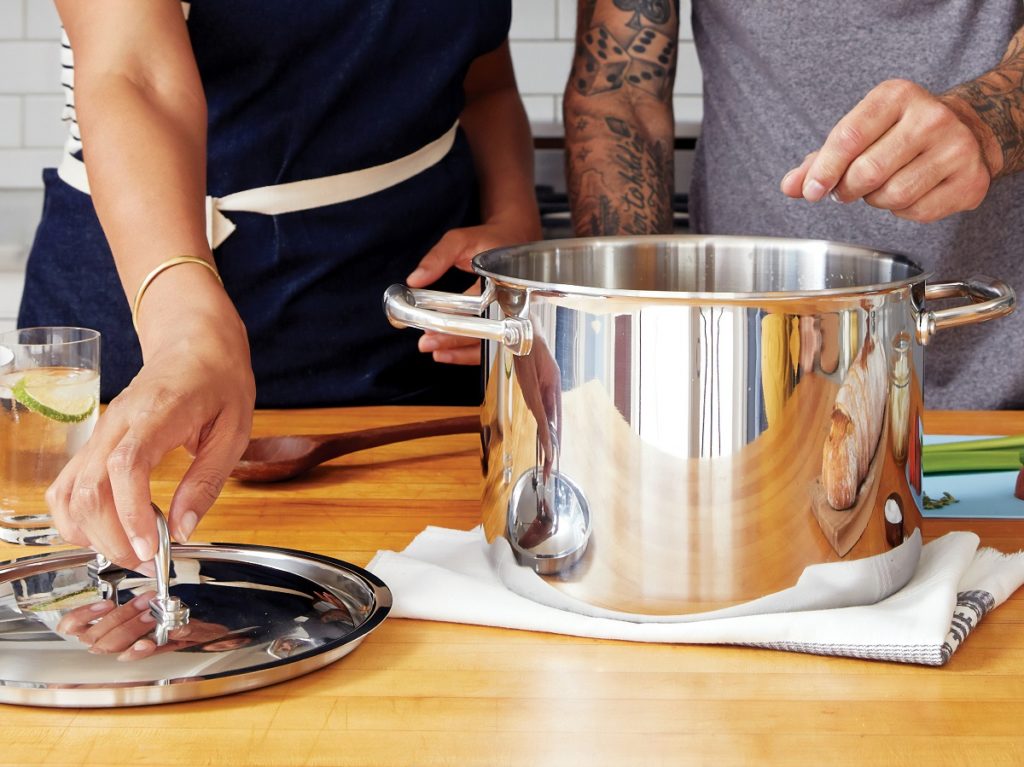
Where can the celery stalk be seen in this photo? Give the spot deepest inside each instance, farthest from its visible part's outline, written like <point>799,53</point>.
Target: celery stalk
<point>994,443</point>
<point>971,460</point>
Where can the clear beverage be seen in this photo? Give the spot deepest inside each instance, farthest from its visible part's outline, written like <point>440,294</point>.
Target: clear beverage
<point>47,412</point>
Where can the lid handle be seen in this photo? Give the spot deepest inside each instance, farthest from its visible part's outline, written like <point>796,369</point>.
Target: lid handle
<point>170,612</point>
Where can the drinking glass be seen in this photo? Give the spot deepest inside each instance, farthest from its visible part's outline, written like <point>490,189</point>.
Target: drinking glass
<point>49,403</point>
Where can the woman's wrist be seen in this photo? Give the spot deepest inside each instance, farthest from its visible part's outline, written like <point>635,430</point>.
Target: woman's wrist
<point>187,302</point>
<point>521,221</point>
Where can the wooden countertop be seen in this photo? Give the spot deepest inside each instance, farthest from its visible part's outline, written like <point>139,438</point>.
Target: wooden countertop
<point>430,693</point>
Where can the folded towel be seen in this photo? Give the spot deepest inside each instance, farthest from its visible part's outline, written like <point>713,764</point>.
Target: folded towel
<point>455,576</point>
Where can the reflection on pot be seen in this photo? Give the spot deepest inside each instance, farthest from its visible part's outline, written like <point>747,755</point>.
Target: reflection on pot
<point>548,525</point>
<point>893,511</point>
<point>899,397</point>
<point>855,426</point>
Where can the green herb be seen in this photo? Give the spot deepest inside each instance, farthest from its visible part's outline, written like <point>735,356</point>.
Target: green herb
<point>937,503</point>
<point>994,443</point>
<point>956,461</point>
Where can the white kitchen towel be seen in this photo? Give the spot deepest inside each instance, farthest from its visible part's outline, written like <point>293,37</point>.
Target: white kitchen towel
<point>454,575</point>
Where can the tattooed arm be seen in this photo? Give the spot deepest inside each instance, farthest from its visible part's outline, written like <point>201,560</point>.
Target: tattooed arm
<point>618,116</point>
<point>923,156</point>
<point>996,110</point>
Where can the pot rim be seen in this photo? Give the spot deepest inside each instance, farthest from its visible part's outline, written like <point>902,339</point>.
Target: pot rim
<point>700,240</point>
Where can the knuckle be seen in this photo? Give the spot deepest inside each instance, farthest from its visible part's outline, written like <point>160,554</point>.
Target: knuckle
<point>936,117</point>
<point>85,499</point>
<point>975,192</point>
<point>71,534</point>
<point>116,405</point>
<point>126,459</point>
<point>922,214</point>
<point>866,172</point>
<point>54,495</point>
<point>120,554</point>
<point>207,485</point>
<point>898,88</point>
<point>161,401</point>
<point>899,195</point>
<point>848,137</point>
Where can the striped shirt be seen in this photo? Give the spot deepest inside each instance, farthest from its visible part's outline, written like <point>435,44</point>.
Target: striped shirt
<point>73,144</point>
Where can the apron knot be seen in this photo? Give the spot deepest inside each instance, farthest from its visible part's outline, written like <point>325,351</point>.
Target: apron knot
<point>218,226</point>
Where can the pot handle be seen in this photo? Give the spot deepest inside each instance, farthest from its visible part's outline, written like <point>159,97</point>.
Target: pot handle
<point>990,298</point>
<point>455,314</point>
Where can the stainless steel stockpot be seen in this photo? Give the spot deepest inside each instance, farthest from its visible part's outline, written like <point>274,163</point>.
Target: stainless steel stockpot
<point>679,424</point>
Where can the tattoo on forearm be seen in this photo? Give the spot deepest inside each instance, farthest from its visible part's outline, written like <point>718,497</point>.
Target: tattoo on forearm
<point>646,61</point>
<point>619,116</point>
<point>654,11</point>
<point>636,195</point>
<point>998,99</point>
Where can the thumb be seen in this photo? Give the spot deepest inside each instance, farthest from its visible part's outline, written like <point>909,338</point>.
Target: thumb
<point>431,266</point>
<point>451,250</point>
<point>202,483</point>
<point>792,184</point>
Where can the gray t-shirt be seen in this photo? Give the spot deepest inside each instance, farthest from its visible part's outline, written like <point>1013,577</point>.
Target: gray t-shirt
<point>778,74</point>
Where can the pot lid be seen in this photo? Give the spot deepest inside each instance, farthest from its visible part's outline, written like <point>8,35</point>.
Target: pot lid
<point>76,631</point>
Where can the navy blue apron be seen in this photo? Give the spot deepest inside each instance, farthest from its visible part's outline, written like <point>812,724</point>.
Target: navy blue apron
<point>294,92</point>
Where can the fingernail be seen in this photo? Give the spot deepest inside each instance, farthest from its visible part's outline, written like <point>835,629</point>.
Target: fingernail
<point>814,190</point>
<point>428,344</point>
<point>443,356</point>
<point>788,176</point>
<point>146,568</point>
<point>834,197</point>
<point>146,618</point>
<point>142,644</point>
<point>187,525</point>
<point>417,274</point>
<point>142,548</point>
<point>99,607</point>
<point>142,601</point>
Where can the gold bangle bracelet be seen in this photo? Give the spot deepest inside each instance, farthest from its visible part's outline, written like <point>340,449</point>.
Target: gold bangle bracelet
<point>162,268</point>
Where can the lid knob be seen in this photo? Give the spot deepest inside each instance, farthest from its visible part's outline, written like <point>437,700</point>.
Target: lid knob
<point>170,612</point>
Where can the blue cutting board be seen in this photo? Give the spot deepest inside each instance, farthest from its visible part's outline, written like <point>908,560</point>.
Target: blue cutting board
<point>982,495</point>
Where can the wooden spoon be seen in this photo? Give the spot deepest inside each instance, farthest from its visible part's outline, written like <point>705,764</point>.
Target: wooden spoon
<point>272,459</point>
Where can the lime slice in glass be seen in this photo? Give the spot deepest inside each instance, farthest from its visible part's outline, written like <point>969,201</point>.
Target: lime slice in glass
<point>60,394</point>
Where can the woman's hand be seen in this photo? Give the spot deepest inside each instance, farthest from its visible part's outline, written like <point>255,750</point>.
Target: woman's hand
<point>456,249</point>
<point>901,149</point>
<point>125,629</point>
<point>195,390</point>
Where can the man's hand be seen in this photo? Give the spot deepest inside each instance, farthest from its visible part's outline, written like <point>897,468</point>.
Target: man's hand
<point>900,149</point>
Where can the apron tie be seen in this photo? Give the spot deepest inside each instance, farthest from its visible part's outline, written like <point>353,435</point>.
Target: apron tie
<point>294,196</point>
<point>218,226</point>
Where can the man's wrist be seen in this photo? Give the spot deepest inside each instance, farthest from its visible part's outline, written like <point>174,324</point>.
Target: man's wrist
<point>961,101</point>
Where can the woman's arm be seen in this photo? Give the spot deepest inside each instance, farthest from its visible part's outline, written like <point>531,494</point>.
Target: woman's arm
<point>142,114</point>
<point>499,137</point>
